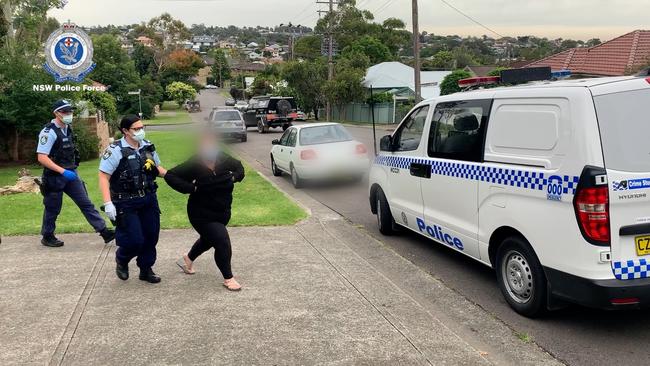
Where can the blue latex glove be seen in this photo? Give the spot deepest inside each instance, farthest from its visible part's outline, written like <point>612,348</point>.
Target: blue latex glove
<point>70,175</point>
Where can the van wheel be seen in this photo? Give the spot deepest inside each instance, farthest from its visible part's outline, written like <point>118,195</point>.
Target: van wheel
<point>274,168</point>
<point>262,127</point>
<point>521,277</point>
<point>385,220</point>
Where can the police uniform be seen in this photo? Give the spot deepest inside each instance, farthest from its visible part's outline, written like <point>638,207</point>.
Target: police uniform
<point>133,192</point>
<point>59,144</point>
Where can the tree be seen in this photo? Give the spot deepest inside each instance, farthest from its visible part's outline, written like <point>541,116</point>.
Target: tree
<point>220,69</point>
<point>143,57</point>
<point>346,87</point>
<point>442,60</point>
<point>167,34</point>
<point>180,92</point>
<point>308,47</point>
<point>307,79</point>
<point>370,46</point>
<point>182,65</point>
<point>449,84</point>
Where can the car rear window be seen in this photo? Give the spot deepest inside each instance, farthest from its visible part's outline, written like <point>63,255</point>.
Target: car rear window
<point>323,135</point>
<point>226,116</point>
<point>624,120</point>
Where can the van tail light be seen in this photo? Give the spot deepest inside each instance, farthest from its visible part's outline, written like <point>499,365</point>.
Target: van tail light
<point>271,117</point>
<point>592,210</point>
<point>361,149</point>
<point>308,155</point>
<point>625,301</point>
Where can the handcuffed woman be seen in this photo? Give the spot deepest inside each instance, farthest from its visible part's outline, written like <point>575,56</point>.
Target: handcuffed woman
<point>209,177</point>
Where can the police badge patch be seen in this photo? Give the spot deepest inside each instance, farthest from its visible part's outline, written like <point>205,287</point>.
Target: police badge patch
<point>107,154</point>
<point>69,54</point>
<point>43,140</point>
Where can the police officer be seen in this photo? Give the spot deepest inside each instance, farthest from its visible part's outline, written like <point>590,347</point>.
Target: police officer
<point>60,158</point>
<point>127,180</point>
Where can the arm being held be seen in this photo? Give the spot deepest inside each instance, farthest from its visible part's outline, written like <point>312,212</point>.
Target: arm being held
<point>181,178</point>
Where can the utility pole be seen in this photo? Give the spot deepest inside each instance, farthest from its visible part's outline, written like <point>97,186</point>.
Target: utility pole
<point>416,52</point>
<point>330,53</point>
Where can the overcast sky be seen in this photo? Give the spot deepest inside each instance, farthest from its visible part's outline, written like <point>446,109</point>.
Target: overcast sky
<point>578,19</point>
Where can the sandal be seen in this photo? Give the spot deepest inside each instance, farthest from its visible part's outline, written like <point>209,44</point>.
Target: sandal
<point>182,264</point>
<point>232,285</point>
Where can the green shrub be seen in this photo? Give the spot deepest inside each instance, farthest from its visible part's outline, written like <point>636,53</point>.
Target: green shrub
<point>86,142</point>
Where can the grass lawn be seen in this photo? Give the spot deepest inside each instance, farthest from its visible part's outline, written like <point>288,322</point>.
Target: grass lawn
<point>256,201</point>
<point>171,114</point>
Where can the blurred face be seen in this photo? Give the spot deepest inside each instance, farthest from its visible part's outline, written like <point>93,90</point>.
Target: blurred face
<point>209,148</point>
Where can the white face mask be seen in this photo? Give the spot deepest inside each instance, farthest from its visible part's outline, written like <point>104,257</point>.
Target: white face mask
<point>139,136</point>
<point>67,119</point>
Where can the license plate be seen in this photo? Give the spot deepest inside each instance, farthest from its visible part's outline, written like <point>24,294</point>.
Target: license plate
<point>642,244</point>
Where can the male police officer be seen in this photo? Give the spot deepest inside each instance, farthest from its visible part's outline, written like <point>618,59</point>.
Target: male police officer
<point>60,158</point>
<point>127,180</point>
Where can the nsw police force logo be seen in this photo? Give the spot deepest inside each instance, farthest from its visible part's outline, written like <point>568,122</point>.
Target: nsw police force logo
<point>69,54</point>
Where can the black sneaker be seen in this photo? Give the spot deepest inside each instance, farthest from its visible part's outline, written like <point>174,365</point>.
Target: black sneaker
<point>122,271</point>
<point>108,235</point>
<point>51,241</point>
<point>149,276</point>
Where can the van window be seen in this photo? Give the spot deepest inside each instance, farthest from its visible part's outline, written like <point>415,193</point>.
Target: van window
<point>409,134</point>
<point>624,120</point>
<point>458,129</point>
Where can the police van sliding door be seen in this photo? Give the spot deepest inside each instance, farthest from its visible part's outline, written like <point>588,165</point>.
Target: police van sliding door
<point>409,149</point>
<point>450,196</point>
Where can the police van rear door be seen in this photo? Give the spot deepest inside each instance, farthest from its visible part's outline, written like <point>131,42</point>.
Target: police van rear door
<point>623,110</point>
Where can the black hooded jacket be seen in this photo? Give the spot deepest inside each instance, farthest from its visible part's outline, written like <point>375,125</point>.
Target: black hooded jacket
<point>210,190</point>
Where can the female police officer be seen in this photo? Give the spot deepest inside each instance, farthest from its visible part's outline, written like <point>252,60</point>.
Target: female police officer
<point>127,174</point>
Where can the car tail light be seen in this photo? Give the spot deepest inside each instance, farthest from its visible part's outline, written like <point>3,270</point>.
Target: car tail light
<point>648,80</point>
<point>592,209</point>
<point>308,155</point>
<point>271,117</point>
<point>361,149</point>
<point>625,301</point>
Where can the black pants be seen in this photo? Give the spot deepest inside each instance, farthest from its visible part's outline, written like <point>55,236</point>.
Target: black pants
<point>213,235</point>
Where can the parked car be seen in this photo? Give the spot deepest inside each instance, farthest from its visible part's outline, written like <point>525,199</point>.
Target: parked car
<point>228,123</point>
<point>230,102</point>
<point>318,152</point>
<point>301,116</point>
<point>210,86</point>
<point>193,106</point>
<point>265,112</point>
<point>548,183</point>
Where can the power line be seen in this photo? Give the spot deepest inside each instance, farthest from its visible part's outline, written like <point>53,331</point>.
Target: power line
<point>382,7</point>
<point>472,19</point>
<point>308,7</point>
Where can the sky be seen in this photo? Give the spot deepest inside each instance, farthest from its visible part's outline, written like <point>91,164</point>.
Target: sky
<point>576,19</point>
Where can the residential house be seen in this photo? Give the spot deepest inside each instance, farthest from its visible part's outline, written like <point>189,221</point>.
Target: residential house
<point>204,41</point>
<point>398,79</point>
<point>623,55</point>
<point>144,40</point>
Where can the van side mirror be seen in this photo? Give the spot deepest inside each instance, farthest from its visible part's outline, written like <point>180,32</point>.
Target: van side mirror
<point>386,143</point>
<point>275,142</point>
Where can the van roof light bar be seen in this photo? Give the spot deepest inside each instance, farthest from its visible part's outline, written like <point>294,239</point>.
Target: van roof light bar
<point>478,81</point>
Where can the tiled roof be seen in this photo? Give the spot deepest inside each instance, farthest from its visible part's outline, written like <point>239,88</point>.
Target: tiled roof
<point>620,56</point>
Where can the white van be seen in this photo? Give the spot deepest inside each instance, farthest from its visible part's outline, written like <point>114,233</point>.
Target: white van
<point>547,183</point>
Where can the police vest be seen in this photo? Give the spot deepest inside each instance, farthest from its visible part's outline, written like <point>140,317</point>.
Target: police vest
<point>64,152</point>
<point>130,178</point>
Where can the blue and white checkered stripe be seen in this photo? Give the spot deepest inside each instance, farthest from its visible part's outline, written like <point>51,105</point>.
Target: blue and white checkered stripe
<point>631,269</point>
<point>509,177</point>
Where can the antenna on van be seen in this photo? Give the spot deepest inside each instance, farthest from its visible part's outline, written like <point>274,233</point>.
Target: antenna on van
<point>374,128</point>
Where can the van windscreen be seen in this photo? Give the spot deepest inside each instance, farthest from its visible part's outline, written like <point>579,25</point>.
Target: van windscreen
<point>624,120</point>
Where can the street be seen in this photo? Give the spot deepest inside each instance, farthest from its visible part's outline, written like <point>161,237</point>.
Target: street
<point>575,335</point>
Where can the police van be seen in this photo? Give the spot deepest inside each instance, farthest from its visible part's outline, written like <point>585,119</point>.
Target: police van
<point>548,183</point>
